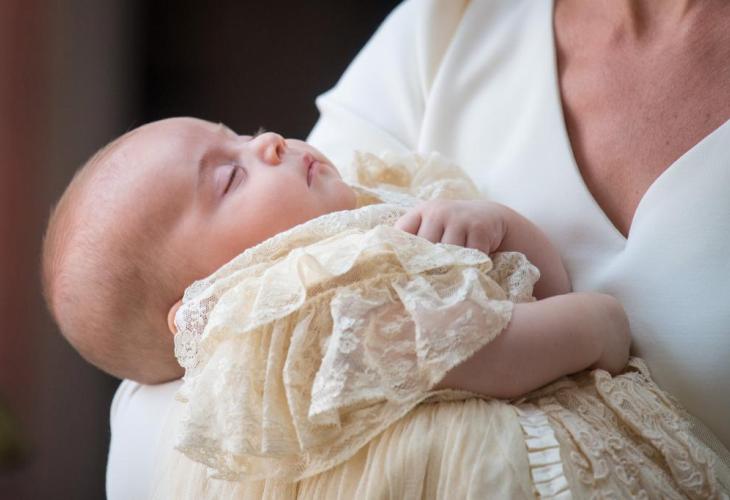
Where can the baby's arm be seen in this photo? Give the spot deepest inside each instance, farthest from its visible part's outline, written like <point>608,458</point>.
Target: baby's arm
<point>560,334</point>
<point>490,227</point>
<point>545,340</point>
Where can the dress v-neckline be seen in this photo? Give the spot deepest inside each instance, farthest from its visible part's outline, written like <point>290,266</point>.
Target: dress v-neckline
<point>572,163</point>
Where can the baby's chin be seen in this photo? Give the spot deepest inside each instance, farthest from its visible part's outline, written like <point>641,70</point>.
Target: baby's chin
<point>346,198</point>
<point>351,198</point>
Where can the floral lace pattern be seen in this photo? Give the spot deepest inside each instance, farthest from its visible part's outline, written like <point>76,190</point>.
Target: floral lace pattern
<point>623,437</point>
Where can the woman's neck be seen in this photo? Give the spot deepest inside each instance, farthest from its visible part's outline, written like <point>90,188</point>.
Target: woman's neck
<point>648,19</point>
<point>639,15</point>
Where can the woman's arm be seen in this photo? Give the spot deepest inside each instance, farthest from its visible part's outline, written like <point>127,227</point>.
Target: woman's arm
<point>137,419</point>
<point>379,102</point>
<point>544,341</point>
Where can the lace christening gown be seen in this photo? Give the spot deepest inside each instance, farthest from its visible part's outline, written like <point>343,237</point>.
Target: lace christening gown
<point>310,360</point>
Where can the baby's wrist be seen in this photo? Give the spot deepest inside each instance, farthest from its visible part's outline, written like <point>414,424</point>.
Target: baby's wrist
<point>615,335</point>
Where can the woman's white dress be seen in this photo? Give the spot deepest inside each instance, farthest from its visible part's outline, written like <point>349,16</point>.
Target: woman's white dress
<point>477,82</point>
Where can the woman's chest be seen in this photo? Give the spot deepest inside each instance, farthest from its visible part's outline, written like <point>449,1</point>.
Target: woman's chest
<point>592,139</point>
<point>660,150</point>
<point>632,110</point>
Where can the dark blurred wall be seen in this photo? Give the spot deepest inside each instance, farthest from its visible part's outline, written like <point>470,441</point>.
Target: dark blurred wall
<point>73,75</point>
<point>250,64</point>
<point>69,84</point>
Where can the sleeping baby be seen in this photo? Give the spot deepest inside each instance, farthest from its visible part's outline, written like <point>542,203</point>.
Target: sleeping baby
<point>309,315</point>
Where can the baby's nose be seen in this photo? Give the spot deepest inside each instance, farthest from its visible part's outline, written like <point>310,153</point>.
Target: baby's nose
<point>269,147</point>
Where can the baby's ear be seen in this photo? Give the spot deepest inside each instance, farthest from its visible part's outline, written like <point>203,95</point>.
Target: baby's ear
<point>171,316</point>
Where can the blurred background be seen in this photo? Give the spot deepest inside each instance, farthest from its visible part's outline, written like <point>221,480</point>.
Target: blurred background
<point>74,74</point>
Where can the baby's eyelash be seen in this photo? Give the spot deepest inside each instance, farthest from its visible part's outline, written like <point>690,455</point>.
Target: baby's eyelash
<point>258,132</point>
<point>230,179</point>
<point>237,171</point>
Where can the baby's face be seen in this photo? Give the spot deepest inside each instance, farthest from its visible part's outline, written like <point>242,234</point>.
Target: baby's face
<point>220,193</point>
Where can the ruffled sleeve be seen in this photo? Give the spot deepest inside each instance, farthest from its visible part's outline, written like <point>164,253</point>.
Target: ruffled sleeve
<point>304,360</point>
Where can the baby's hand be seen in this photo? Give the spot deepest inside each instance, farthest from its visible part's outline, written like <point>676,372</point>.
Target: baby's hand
<point>476,224</point>
<point>489,227</point>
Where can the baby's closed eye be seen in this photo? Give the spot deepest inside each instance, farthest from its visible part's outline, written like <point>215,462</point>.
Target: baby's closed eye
<point>228,177</point>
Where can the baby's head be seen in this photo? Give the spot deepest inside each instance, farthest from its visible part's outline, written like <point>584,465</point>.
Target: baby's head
<point>160,207</point>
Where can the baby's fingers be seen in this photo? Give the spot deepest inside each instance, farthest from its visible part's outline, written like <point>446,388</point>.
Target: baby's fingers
<point>410,222</point>
<point>454,235</point>
<point>431,229</point>
<point>479,240</point>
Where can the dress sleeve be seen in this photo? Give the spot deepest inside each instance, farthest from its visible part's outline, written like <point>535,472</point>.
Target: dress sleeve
<point>379,102</point>
<point>303,363</point>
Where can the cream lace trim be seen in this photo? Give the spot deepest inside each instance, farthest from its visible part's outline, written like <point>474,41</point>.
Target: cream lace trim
<point>623,437</point>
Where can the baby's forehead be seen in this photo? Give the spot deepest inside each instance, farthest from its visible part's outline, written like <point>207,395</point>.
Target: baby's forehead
<point>179,128</point>
<point>152,146</point>
<point>170,144</point>
<point>151,169</point>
